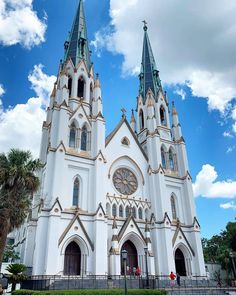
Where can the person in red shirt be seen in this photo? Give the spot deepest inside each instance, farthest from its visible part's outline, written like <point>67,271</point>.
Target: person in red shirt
<point>172,278</point>
<point>138,271</point>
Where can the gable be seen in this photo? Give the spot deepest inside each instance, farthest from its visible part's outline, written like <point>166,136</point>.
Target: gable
<point>115,140</point>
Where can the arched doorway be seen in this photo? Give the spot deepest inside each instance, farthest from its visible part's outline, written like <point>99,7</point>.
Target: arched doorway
<point>180,263</point>
<point>132,258</point>
<point>72,260</point>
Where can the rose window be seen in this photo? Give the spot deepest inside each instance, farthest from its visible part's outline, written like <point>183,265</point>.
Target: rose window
<point>125,181</point>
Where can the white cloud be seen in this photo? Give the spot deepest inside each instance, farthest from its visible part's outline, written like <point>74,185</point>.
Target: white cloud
<point>21,126</point>
<point>19,23</point>
<point>2,90</point>
<point>181,93</point>
<point>214,87</point>
<point>233,114</point>
<point>229,205</point>
<point>41,83</point>
<point>234,127</point>
<point>207,186</point>
<point>230,149</point>
<point>189,46</point>
<point>227,134</point>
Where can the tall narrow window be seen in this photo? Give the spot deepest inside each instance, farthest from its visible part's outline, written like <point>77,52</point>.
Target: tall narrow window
<point>91,94</point>
<point>173,207</point>
<point>80,90</point>
<point>163,116</point>
<point>140,213</point>
<point>127,211</point>
<point>141,120</point>
<point>108,209</point>
<point>114,213</point>
<point>134,212</point>
<point>84,136</point>
<point>72,139</point>
<point>76,192</point>
<point>146,213</point>
<point>163,158</point>
<point>70,85</point>
<point>171,160</point>
<point>121,211</point>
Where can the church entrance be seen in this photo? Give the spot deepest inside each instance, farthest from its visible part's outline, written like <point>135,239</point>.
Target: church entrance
<point>72,260</point>
<point>180,263</point>
<point>132,257</point>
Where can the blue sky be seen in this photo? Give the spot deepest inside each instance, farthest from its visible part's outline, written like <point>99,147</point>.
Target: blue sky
<point>195,54</point>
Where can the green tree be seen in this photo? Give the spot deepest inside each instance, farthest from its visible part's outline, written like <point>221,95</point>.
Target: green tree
<point>18,182</point>
<point>16,274</point>
<point>10,254</point>
<point>218,248</point>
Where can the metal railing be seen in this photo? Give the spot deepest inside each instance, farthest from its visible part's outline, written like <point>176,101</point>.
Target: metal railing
<point>188,285</point>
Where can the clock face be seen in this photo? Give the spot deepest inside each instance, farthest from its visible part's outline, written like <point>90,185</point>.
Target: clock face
<point>125,181</point>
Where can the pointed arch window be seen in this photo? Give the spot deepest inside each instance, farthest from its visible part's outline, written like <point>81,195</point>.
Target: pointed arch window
<point>163,116</point>
<point>171,160</point>
<point>121,211</point>
<point>76,193</point>
<point>140,213</point>
<point>84,139</point>
<point>70,85</point>
<point>72,138</point>
<point>80,89</point>
<point>141,120</point>
<point>146,213</point>
<point>173,207</point>
<point>91,98</point>
<point>134,212</point>
<point>114,210</point>
<point>127,211</point>
<point>163,158</point>
<point>108,209</point>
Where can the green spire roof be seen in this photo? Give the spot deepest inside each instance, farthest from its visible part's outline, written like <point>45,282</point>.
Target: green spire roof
<point>149,75</point>
<point>76,47</point>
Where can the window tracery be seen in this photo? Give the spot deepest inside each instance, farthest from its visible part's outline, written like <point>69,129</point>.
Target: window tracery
<point>125,181</point>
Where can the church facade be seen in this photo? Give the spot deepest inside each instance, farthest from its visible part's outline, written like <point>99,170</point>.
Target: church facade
<point>100,195</point>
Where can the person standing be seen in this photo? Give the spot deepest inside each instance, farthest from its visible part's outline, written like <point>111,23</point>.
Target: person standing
<point>172,278</point>
<point>178,279</point>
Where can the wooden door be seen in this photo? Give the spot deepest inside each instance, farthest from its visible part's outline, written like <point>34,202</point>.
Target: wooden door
<point>72,261</point>
<point>132,257</point>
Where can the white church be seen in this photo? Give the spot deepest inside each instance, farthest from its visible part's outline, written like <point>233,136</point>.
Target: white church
<point>100,195</point>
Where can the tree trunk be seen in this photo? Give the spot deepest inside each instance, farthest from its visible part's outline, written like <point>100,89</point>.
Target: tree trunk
<point>4,230</point>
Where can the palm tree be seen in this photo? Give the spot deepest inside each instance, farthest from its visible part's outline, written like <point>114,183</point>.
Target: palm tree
<point>16,274</point>
<point>18,182</point>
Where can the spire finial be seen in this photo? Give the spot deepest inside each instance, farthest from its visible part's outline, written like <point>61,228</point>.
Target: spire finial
<point>174,112</point>
<point>132,117</point>
<point>144,25</point>
<point>123,110</point>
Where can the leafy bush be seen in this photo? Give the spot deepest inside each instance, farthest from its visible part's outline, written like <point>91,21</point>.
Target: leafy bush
<point>92,292</point>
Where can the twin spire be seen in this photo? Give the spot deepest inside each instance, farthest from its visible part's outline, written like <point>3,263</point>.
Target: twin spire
<point>76,47</point>
<point>149,75</point>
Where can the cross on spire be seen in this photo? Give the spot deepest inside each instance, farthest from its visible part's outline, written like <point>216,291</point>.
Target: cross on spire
<point>123,110</point>
<point>144,25</point>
